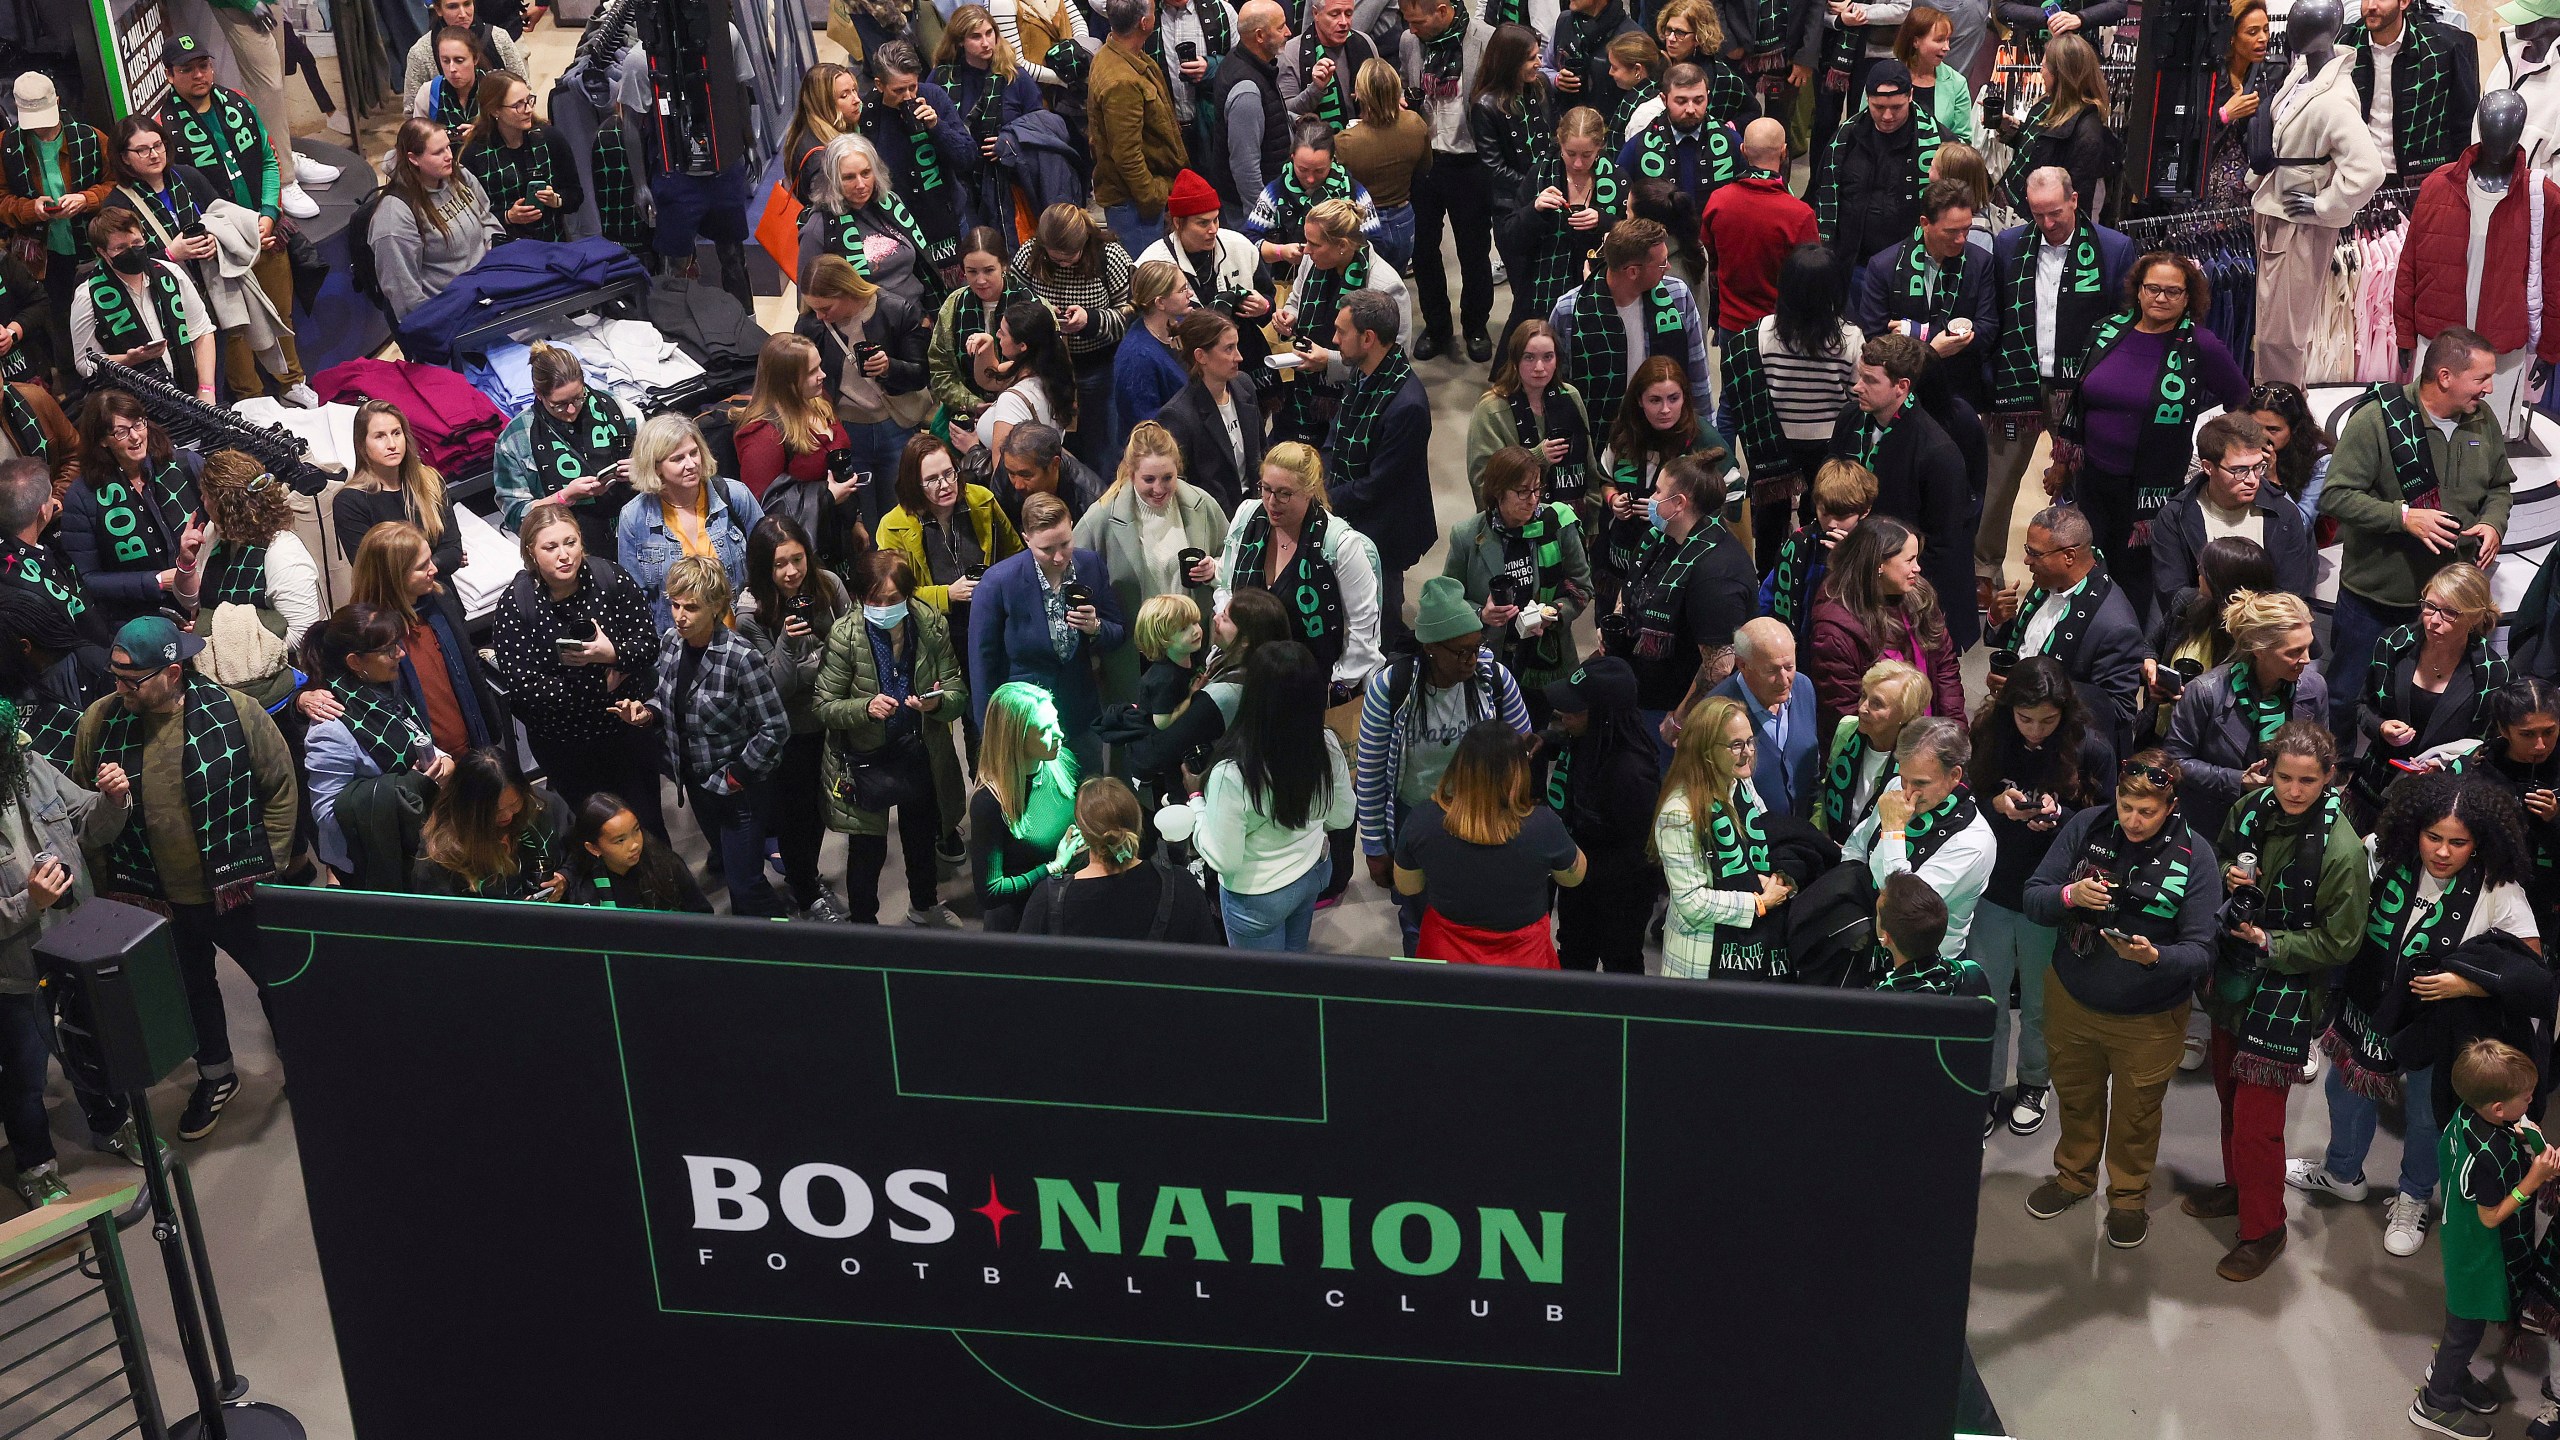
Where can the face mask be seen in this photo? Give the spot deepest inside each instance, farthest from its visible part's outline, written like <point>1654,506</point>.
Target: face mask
<point>887,617</point>
<point>132,262</point>
<point>1653,512</point>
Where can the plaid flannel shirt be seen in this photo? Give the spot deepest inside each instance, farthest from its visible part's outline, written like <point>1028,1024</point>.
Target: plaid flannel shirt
<point>730,728</point>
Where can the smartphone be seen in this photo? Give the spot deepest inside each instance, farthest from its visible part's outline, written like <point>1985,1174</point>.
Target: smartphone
<point>153,350</point>
<point>2117,935</point>
<point>2409,767</point>
<point>567,646</point>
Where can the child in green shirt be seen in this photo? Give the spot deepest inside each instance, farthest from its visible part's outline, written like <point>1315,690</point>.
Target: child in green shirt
<point>2495,1161</point>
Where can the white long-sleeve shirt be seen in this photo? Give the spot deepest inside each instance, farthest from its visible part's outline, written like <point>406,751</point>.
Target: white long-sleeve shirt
<point>1959,871</point>
<point>1354,558</point>
<point>1252,853</point>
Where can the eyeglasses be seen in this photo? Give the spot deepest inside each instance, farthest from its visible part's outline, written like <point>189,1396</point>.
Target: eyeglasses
<point>1276,492</point>
<point>2258,471</point>
<point>1743,746</point>
<point>2165,292</point>
<point>525,105</point>
<point>2034,555</point>
<point>2441,612</point>
<point>130,430</point>
<point>126,679</point>
<point>2138,770</point>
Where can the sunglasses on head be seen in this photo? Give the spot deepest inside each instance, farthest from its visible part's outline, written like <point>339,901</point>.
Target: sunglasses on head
<point>2139,770</point>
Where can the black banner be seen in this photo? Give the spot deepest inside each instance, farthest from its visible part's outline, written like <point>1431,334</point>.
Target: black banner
<point>666,1175</point>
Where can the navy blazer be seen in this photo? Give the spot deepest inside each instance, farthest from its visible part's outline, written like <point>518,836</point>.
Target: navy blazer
<point>1969,369</point>
<point>1785,780</point>
<point>2116,254</point>
<point>1009,638</point>
<point>1391,504</point>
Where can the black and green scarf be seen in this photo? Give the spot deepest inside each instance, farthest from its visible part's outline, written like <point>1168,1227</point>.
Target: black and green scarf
<point>1728,93</point>
<point>1657,154</point>
<point>617,190</point>
<point>2265,714</point>
<point>223,806</point>
<point>2167,442</point>
<point>2150,882</point>
<point>119,323</point>
<point>1444,56</point>
<point>924,178</point>
<point>1596,351</point>
<point>844,237</point>
<point>1929,830</point>
<point>1935,975</point>
<point>384,726</point>
<point>1768,27</point>
<point>1651,89</point>
<point>1293,201</point>
<point>2016,379</point>
<point>1324,290</point>
<point>1332,103</point>
<point>2280,1014</point>
<point>2404,435</point>
<point>588,445</point>
<point>46,573</point>
<point>1563,256</point>
<point>83,167</point>
<point>1217,37</point>
<point>2064,641</point>
<point>1364,407</point>
<point>241,153</point>
<point>1582,46</point>
<point>1657,582</point>
<point>2423,136</point>
<point>1309,589</point>
<point>18,421</point>
<point>1566,480</point>
<point>1872,432</point>
<point>1834,796</point>
<point>513,175</point>
<point>2388,683</point>
<point>1912,297</point>
<point>139,524</point>
<point>163,212</point>
<point>234,574</point>
<point>1791,599</point>
<point>1765,451</point>
<point>2013,185</point>
<point>450,108</point>
<point>1535,552</point>
<point>1737,837</point>
<point>1826,189</point>
<point>2362,1053</point>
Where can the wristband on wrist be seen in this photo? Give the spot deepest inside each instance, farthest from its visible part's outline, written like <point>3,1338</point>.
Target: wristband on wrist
<point>2518,1196</point>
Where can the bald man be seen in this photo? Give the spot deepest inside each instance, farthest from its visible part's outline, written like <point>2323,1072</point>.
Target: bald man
<point>1749,226</point>
<point>1779,700</point>
<point>1245,94</point>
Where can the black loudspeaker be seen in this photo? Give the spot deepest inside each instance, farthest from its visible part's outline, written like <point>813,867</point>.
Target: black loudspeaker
<point>118,993</point>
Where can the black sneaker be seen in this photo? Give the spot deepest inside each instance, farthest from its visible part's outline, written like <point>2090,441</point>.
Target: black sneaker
<point>2478,1396</point>
<point>1429,345</point>
<point>1999,1111</point>
<point>204,1108</point>
<point>1479,346</point>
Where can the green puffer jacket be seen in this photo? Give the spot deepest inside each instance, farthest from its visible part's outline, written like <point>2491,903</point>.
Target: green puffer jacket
<point>848,679</point>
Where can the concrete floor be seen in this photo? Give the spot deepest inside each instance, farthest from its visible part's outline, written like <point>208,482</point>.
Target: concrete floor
<point>2072,1338</point>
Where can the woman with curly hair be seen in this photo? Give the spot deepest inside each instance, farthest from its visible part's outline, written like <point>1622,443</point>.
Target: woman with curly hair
<point>2449,866</point>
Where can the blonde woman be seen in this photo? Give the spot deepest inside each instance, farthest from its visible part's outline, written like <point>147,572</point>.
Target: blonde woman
<point>1859,761</point>
<point>1143,527</point>
<point>830,105</point>
<point>1145,373</point>
<point>392,483</point>
<point>681,509</point>
<point>2225,718</point>
<point>1288,541</point>
<point>977,67</point>
<point>2429,682</point>
<point>1384,152</point>
<point>1338,263</point>
<point>1022,819</point>
<point>1710,834</point>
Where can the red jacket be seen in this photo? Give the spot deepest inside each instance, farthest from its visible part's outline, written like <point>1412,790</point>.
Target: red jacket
<point>1748,229</point>
<point>2427,299</point>
<point>1840,654</point>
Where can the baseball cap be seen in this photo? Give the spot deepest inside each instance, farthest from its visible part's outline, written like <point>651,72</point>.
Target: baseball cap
<point>39,108</point>
<point>2525,12</point>
<point>155,641</point>
<point>187,50</point>
<point>1604,683</point>
<point>1888,77</point>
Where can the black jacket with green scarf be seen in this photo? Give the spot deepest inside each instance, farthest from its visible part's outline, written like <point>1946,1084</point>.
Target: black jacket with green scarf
<point>2435,91</point>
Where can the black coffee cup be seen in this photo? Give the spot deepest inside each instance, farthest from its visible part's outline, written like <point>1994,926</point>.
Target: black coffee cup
<point>1616,636</point>
<point>2187,670</point>
<point>2003,661</point>
<point>1077,597</point>
<point>1189,559</point>
<point>974,572</point>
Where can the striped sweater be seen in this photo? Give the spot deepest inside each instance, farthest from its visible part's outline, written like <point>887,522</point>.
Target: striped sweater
<point>1384,725</point>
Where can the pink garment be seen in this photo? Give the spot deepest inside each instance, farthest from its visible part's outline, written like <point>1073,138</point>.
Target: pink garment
<point>2377,338</point>
<point>455,426</point>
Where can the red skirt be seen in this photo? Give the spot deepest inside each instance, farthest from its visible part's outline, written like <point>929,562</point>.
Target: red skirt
<point>1531,947</point>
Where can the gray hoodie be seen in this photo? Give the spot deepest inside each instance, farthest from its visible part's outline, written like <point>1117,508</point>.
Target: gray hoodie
<point>412,260</point>
<point>52,817</point>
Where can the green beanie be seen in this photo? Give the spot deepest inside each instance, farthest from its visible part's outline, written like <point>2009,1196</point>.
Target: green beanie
<point>1445,613</point>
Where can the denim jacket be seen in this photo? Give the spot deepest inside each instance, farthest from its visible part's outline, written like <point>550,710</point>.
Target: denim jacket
<point>55,816</point>
<point>649,548</point>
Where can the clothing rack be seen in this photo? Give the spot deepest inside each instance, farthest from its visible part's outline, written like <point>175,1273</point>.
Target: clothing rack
<point>208,428</point>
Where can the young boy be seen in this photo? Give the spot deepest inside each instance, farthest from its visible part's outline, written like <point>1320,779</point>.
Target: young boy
<point>1911,923</point>
<point>1168,635</point>
<point>1843,493</point>
<point>2494,1162</point>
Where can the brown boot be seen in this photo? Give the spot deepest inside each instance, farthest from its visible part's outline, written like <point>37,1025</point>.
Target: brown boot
<point>2213,1202</point>
<point>2250,1258</point>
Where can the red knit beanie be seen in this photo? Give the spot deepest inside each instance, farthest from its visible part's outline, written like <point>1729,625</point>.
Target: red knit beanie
<point>1191,196</point>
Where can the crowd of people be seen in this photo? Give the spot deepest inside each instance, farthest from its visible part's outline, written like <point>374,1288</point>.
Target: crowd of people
<point>1083,546</point>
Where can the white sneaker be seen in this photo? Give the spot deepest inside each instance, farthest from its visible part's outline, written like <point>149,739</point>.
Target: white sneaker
<point>311,172</point>
<point>302,397</point>
<point>2404,1225</point>
<point>2312,1176</point>
<point>1501,273</point>
<point>2192,1058</point>
<point>297,204</point>
<point>337,122</point>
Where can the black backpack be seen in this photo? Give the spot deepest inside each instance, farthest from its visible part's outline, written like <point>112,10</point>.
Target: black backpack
<point>1831,928</point>
<point>360,272</point>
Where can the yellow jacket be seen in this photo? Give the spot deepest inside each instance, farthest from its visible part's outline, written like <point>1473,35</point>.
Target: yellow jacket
<point>904,532</point>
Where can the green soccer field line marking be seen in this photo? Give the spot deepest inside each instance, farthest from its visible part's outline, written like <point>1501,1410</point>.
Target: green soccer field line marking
<point>963,1337</point>
<point>639,1167</point>
<point>1856,1034</point>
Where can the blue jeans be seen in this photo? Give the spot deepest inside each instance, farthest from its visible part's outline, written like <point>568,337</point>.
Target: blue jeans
<point>2354,626</point>
<point>1724,397</point>
<point>1395,235</point>
<point>1136,232</point>
<point>735,824</point>
<point>1277,919</point>
<point>2007,944</point>
<point>24,1059</point>
<point>877,447</point>
<point>1653,727</point>
<point>2353,1118</point>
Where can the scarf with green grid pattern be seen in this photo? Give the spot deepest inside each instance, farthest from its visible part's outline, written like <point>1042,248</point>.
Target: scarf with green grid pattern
<point>617,190</point>
<point>2283,1012</point>
<point>1932,975</point>
<point>1364,408</point>
<point>385,728</point>
<point>1911,295</point>
<point>1755,411</point>
<point>2423,136</point>
<point>18,420</point>
<point>2016,379</point>
<point>234,575</point>
<point>221,789</point>
<point>140,522</point>
<point>1736,839</point>
<point>513,175</point>
<point>1826,190</point>
<point>82,160</point>
<point>2362,1053</point>
<point>1566,257</point>
<point>1596,351</point>
<point>1840,779</point>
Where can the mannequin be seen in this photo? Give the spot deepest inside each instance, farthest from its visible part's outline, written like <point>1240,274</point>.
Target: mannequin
<point>2320,167</point>
<point>2470,259</point>
<point>2529,64</point>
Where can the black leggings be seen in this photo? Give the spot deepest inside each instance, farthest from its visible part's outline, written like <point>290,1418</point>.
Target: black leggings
<point>624,760</point>
<point>298,56</point>
<point>799,817</point>
<point>919,825</point>
<point>1600,923</point>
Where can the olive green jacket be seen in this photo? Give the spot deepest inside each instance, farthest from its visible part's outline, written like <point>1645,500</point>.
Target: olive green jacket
<point>2381,561</point>
<point>848,679</point>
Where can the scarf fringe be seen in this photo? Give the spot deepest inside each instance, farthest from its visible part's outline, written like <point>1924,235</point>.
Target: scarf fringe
<point>2265,1072</point>
<point>2352,1073</point>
